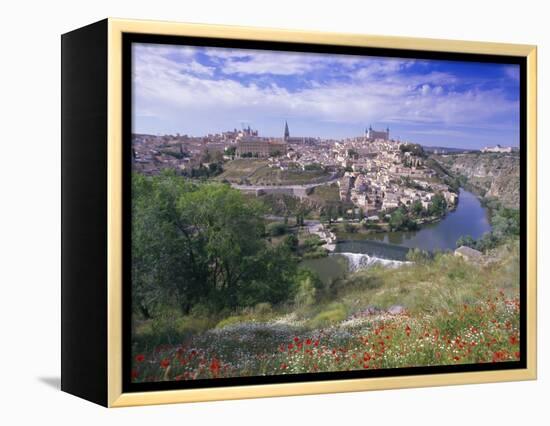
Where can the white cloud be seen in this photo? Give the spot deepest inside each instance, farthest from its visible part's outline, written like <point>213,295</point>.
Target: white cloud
<point>269,63</point>
<point>169,83</point>
<point>512,72</point>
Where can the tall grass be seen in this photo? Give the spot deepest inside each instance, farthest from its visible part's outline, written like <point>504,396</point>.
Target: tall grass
<point>453,312</point>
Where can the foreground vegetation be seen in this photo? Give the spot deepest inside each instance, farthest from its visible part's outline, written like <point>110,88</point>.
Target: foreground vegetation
<point>202,247</point>
<point>436,311</point>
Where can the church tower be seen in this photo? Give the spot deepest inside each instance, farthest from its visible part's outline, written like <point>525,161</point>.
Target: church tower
<point>287,133</point>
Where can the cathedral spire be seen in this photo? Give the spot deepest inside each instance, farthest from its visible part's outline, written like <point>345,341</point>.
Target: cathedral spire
<point>287,133</point>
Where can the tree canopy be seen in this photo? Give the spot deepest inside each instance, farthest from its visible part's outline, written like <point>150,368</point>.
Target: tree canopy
<point>202,244</point>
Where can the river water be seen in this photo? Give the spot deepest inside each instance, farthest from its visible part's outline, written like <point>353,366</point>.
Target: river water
<point>390,248</point>
<point>469,218</point>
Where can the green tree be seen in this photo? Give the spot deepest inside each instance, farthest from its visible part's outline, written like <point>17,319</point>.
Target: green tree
<point>466,240</point>
<point>276,229</point>
<point>397,219</point>
<point>438,207</point>
<point>201,244</point>
<point>291,242</point>
<point>417,209</point>
<point>400,221</point>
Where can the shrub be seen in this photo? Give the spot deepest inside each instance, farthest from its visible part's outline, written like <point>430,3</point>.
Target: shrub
<point>262,310</point>
<point>291,241</point>
<point>235,319</point>
<point>315,254</point>
<point>350,228</point>
<point>306,294</point>
<point>334,313</point>
<point>276,229</point>
<point>418,256</point>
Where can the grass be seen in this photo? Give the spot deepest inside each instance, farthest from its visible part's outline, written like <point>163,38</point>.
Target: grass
<point>334,313</point>
<point>445,283</point>
<point>326,193</point>
<point>329,268</point>
<point>453,312</point>
<point>239,169</point>
<point>256,172</point>
<point>359,230</point>
<point>272,176</point>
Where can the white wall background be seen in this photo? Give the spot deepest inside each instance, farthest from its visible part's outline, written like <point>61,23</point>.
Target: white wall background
<point>30,211</point>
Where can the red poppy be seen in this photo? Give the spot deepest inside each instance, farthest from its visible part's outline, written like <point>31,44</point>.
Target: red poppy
<point>140,358</point>
<point>408,330</point>
<point>499,356</point>
<point>165,363</point>
<point>134,374</point>
<point>308,342</point>
<point>215,366</point>
<point>517,355</point>
<point>296,339</point>
<point>513,340</point>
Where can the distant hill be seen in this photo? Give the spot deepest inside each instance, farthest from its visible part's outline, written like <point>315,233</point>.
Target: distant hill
<point>492,175</point>
<point>446,150</point>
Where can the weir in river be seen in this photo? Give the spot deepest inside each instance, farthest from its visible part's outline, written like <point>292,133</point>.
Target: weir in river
<point>373,248</point>
<point>361,254</point>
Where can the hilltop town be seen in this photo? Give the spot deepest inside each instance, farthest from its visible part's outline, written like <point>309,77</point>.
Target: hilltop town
<point>373,172</point>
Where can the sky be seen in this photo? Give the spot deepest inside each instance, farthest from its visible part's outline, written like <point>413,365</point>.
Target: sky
<point>200,90</point>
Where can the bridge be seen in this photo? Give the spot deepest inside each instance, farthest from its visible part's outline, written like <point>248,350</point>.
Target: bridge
<point>300,191</point>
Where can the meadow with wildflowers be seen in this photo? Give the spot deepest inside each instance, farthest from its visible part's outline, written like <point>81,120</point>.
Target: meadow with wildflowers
<point>440,311</point>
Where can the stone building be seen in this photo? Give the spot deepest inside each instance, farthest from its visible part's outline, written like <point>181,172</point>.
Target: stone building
<point>372,135</point>
<point>253,146</point>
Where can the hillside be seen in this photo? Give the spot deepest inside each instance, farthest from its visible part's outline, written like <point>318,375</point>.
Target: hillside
<point>435,312</point>
<point>491,175</point>
<point>257,172</point>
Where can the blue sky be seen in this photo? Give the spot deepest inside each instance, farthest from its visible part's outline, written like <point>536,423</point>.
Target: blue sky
<point>200,90</point>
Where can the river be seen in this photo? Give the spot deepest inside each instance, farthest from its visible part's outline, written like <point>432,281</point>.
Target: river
<point>469,218</point>
<point>390,248</point>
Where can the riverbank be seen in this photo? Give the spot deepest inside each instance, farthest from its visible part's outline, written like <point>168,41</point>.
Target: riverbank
<point>469,217</point>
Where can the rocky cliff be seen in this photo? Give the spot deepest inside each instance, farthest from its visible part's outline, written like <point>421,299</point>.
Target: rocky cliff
<point>491,175</point>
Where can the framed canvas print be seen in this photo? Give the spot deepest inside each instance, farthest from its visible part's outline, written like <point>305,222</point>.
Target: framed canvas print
<point>250,212</point>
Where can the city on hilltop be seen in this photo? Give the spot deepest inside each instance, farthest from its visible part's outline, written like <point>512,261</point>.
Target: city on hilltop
<point>374,172</point>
